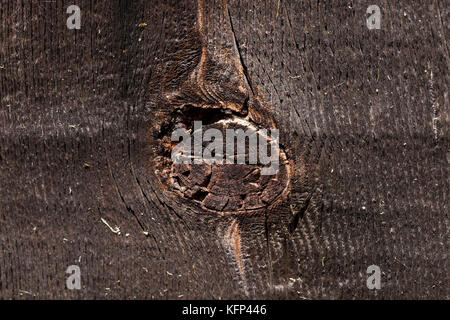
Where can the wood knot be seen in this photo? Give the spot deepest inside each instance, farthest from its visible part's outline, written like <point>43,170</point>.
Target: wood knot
<point>217,147</point>
<point>222,162</point>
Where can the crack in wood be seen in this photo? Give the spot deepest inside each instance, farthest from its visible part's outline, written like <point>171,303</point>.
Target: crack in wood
<point>210,83</point>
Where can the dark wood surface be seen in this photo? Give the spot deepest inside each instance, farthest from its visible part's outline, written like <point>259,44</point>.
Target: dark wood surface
<point>363,119</point>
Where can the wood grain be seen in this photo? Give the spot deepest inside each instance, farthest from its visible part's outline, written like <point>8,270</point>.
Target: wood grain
<point>363,119</point>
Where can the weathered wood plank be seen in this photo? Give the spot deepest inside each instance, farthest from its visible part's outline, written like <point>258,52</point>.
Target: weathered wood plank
<point>363,119</point>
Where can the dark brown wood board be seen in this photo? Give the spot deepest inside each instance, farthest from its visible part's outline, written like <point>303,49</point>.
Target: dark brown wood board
<point>85,116</point>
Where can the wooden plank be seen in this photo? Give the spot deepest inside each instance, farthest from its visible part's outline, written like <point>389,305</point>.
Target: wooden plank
<point>86,117</point>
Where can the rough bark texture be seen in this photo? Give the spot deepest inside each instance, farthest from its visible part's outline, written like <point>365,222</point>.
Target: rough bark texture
<point>362,114</point>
